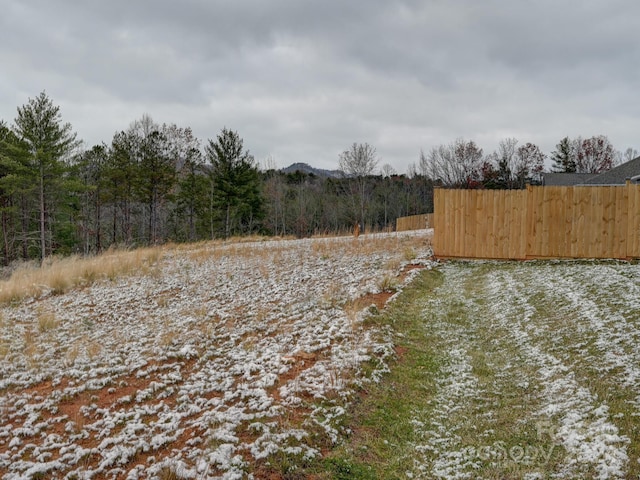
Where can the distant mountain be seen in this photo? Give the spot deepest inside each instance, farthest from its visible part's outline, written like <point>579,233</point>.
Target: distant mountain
<point>305,168</point>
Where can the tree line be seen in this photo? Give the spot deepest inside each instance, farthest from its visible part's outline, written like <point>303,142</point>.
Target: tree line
<point>157,183</point>
<point>461,164</point>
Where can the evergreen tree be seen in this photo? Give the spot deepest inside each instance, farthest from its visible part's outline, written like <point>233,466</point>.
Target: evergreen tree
<point>563,157</point>
<point>90,171</point>
<point>192,194</point>
<point>49,144</point>
<point>150,158</point>
<point>119,180</point>
<point>156,178</point>
<point>13,183</point>
<point>235,183</point>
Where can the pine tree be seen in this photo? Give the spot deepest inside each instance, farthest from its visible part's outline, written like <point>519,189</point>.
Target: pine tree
<point>192,193</point>
<point>49,143</point>
<point>13,183</point>
<point>235,183</point>
<point>156,179</point>
<point>563,157</point>
<point>89,170</point>
<point>119,179</point>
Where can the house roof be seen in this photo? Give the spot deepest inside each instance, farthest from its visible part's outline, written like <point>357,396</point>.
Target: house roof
<point>617,175</point>
<point>566,179</point>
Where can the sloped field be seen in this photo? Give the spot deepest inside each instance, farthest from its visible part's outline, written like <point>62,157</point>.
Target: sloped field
<point>220,361</point>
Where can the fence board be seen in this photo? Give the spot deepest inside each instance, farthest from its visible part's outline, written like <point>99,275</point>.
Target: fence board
<point>633,217</point>
<point>414,222</point>
<point>539,222</point>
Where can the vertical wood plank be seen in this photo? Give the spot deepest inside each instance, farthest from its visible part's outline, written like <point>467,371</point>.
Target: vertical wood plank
<point>634,214</point>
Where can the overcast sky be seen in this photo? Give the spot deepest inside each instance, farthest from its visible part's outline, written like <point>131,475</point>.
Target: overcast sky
<point>301,80</point>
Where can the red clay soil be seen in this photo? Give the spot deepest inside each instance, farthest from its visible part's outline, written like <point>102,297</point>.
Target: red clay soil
<point>106,397</point>
<point>69,409</point>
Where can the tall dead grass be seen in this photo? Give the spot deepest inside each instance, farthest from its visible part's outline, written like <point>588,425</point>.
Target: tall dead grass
<point>58,275</point>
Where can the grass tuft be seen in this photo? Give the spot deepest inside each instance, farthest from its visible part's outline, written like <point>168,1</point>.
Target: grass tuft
<point>47,321</point>
<point>387,283</point>
<point>347,469</point>
<point>169,473</point>
<point>410,253</point>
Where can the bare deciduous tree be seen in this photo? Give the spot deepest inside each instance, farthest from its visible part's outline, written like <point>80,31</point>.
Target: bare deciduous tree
<point>511,166</point>
<point>358,163</point>
<point>529,162</point>
<point>505,159</point>
<point>455,165</point>
<point>595,155</point>
<point>387,170</point>
<point>629,154</point>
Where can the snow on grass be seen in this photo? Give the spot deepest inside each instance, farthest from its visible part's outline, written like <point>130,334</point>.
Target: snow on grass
<point>535,373</point>
<point>608,321</point>
<point>585,429</point>
<point>442,452</point>
<point>221,357</point>
<point>457,385</point>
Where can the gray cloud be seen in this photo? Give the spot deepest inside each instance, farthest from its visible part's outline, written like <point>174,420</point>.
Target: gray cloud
<point>300,80</point>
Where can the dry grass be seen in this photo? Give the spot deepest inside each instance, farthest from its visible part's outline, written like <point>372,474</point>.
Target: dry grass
<point>334,296</point>
<point>169,473</point>
<point>94,349</point>
<point>31,349</point>
<point>164,301</point>
<point>200,253</point>
<point>324,246</point>
<point>81,334</point>
<point>198,312</point>
<point>72,354</point>
<point>47,321</point>
<point>410,253</point>
<point>58,275</point>
<point>387,283</point>
<point>167,337</point>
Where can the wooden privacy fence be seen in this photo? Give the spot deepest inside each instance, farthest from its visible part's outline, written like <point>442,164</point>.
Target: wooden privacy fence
<point>414,222</point>
<point>539,222</point>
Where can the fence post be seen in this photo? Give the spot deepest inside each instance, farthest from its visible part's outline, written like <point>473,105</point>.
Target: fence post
<point>528,219</point>
<point>630,242</point>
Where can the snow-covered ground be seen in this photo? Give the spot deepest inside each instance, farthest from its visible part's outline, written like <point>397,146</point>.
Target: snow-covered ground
<point>219,360</point>
<point>539,375</point>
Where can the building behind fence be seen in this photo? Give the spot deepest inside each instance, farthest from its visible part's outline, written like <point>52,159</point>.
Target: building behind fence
<point>414,222</point>
<point>538,222</point>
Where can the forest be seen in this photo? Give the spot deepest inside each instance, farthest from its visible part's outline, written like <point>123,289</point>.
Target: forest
<point>155,183</point>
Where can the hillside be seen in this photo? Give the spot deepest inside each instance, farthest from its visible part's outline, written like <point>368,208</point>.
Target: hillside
<point>308,169</point>
<point>215,360</point>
